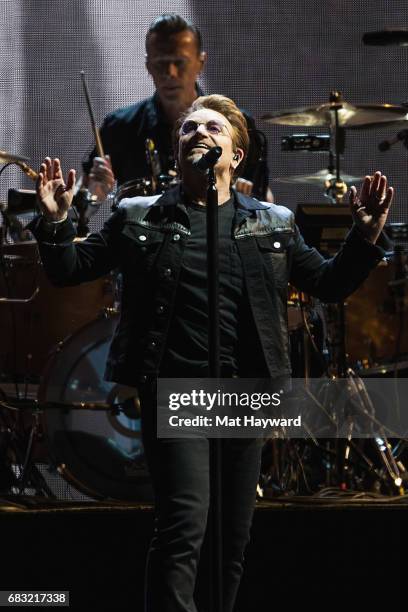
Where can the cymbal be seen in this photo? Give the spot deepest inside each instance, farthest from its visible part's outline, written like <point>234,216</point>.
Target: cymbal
<point>318,178</point>
<point>398,37</point>
<point>9,158</point>
<point>350,115</point>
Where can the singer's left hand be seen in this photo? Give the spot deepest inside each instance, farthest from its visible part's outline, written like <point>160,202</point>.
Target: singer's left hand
<point>370,208</point>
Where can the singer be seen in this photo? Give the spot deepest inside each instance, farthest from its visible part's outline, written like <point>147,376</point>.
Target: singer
<point>159,244</point>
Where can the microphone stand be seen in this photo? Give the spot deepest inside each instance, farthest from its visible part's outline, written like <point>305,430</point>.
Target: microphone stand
<point>214,372</point>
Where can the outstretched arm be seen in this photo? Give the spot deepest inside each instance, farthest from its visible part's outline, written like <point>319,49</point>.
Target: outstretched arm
<point>332,280</point>
<point>67,262</point>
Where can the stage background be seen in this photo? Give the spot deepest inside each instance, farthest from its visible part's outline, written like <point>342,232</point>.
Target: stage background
<point>267,55</point>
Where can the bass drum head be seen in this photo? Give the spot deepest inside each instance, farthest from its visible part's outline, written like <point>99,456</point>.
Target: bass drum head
<point>93,427</point>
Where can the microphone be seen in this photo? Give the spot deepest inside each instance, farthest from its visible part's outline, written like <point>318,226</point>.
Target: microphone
<point>386,144</point>
<point>208,160</point>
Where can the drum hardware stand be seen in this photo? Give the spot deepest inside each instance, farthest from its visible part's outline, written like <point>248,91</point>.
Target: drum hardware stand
<point>342,461</point>
<point>340,371</point>
<point>339,361</point>
<point>337,187</point>
<point>22,449</point>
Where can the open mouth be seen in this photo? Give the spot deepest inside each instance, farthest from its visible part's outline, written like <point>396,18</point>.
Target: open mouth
<point>200,146</point>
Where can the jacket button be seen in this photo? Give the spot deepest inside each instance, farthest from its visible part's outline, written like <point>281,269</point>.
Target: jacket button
<point>176,237</point>
<point>160,309</point>
<point>167,272</point>
<point>142,238</point>
<point>277,245</point>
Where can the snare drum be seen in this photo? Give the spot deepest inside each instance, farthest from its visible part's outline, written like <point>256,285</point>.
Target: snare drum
<point>92,427</point>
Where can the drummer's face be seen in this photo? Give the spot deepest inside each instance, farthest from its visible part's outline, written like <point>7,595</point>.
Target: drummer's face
<point>174,63</point>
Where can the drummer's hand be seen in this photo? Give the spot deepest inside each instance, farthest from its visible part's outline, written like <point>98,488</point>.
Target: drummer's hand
<point>54,195</point>
<point>370,208</point>
<point>244,186</point>
<point>101,177</point>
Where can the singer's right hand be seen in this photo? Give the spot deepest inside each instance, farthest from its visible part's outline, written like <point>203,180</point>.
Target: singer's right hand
<point>54,195</point>
<point>101,177</point>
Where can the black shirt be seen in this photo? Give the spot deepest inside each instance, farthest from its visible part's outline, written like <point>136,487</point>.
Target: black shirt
<point>187,345</point>
<point>124,132</point>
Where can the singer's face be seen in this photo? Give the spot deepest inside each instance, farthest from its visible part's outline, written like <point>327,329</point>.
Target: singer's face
<point>174,63</point>
<point>199,132</point>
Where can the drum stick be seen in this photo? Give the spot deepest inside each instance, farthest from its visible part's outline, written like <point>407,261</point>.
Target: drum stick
<point>98,141</point>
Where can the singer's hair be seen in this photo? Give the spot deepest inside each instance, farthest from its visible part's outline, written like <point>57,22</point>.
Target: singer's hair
<point>226,107</point>
<point>170,23</point>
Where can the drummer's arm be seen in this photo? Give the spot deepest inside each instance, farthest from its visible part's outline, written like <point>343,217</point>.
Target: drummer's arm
<point>101,179</point>
<point>98,176</point>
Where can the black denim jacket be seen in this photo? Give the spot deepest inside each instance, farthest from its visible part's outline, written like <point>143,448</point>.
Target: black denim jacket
<point>145,239</point>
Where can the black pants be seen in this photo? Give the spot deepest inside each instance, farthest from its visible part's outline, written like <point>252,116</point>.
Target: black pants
<point>180,473</point>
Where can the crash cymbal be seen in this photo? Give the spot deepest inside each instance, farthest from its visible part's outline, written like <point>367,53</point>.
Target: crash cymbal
<point>320,179</point>
<point>398,37</point>
<point>350,115</point>
<point>9,158</point>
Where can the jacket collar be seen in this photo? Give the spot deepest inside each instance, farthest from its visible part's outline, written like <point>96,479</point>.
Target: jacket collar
<point>244,204</point>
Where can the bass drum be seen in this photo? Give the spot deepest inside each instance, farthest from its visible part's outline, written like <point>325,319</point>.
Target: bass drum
<point>93,427</point>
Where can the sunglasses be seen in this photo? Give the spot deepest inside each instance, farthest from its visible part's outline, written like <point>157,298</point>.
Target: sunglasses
<point>213,127</point>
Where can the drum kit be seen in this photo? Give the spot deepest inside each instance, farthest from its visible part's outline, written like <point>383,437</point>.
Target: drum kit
<point>55,406</point>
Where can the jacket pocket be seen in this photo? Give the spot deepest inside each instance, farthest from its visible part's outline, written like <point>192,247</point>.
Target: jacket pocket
<point>140,248</point>
<point>274,250</point>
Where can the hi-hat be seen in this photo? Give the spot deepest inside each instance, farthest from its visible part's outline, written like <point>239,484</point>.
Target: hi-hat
<point>398,37</point>
<point>9,158</point>
<point>349,115</point>
<point>319,179</point>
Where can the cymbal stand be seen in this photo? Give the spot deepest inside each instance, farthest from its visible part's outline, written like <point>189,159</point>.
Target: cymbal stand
<point>336,188</point>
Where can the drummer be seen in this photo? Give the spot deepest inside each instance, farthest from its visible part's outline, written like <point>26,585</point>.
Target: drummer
<point>174,60</point>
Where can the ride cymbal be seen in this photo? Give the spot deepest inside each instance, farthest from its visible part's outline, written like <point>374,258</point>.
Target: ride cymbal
<point>319,179</point>
<point>350,115</point>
